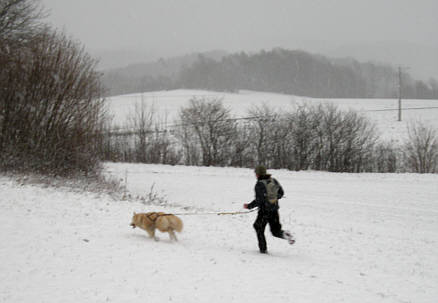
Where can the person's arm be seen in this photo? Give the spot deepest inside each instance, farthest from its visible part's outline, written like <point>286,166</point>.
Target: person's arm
<point>260,196</point>
<point>251,205</point>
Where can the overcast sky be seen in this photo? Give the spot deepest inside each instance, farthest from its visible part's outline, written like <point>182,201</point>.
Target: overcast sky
<point>200,25</point>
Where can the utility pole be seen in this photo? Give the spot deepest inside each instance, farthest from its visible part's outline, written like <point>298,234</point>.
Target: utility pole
<point>399,93</point>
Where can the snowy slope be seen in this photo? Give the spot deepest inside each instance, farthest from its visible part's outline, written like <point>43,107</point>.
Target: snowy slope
<point>167,104</point>
<point>361,238</point>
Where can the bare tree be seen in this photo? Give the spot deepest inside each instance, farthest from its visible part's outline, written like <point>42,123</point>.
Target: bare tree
<point>421,149</point>
<point>345,140</point>
<point>386,158</point>
<point>112,145</point>
<point>358,141</point>
<point>263,128</point>
<point>52,109</point>
<point>329,136</point>
<point>213,128</point>
<point>163,144</point>
<point>302,128</point>
<point>141,121</point>
<point>19,21</point>
<point>241,155</point>
<point>190,145</point>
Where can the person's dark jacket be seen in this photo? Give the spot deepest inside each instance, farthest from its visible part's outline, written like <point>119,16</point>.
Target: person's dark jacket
<point>260,200</point>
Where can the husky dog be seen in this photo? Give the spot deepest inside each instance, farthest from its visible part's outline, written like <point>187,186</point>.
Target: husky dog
<point>157,220</point>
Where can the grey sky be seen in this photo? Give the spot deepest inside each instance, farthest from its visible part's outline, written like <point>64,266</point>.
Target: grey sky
<point>198,25</point>
<point>121,32</point>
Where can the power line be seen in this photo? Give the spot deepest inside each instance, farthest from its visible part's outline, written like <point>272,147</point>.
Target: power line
<point>121,130</point>
<point>124,131</point>
<point>396,109</point>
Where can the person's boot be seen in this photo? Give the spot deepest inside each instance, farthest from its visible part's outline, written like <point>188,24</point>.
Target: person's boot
<point>288,236</point>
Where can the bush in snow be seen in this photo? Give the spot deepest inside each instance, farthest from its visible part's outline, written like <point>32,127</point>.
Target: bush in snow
<point>264,127</point>
<point>143,139</point>
<point>152,143</point>
<point>421,149</point>
<point>51,106</point>
<point>52,115</point>
<point>312,137</point>
<point>316,137</point>
<point>386,158</point>
<point>345,140</point>
<point>208,132</point>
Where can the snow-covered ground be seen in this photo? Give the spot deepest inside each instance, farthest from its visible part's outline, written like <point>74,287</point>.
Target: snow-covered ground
<point>168,103</point>
<point>360,238</point>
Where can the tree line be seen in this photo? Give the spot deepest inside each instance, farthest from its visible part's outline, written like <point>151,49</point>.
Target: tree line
<point>317,137</point>
<point>279,70</point>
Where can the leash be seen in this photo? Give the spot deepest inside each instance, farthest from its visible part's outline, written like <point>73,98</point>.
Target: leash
<point>215,213</point>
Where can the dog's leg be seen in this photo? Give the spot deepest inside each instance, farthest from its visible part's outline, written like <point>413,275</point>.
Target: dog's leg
<point>154,236</point>
<point>172,235</point>
<point>151,233</point>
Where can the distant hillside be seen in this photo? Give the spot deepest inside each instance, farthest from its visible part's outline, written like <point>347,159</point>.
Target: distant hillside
<point>279,70</point>
<point>157,75</point>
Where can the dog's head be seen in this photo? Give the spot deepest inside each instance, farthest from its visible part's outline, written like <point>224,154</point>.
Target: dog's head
<point>134,220</point>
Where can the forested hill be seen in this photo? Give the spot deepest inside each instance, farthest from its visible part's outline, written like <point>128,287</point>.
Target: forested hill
<point>279,70</point>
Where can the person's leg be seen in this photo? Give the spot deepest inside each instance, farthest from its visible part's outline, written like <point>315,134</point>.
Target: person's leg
<point>259,226</point>
<point>274,224</point>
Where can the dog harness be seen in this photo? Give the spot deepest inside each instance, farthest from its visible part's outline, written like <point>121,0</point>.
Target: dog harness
<point>156,215</point>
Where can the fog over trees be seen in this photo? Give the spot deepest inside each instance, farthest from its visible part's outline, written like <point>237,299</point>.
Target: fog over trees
<point>278,70</point>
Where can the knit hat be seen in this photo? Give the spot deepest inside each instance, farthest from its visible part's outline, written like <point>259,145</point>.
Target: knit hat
<point>260,170</point>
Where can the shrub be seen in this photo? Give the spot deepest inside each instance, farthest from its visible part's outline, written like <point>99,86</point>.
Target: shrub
<point>52,110</point>
<point>421,149</point>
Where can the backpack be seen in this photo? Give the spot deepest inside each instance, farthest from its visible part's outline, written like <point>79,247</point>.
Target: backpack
<point>272,188</point>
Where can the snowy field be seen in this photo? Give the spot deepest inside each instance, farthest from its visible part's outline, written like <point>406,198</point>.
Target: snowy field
<point>360,238</point>
<point>168,103</point>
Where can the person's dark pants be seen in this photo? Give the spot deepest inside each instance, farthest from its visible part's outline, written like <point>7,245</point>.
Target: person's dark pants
<point>264,218</point>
